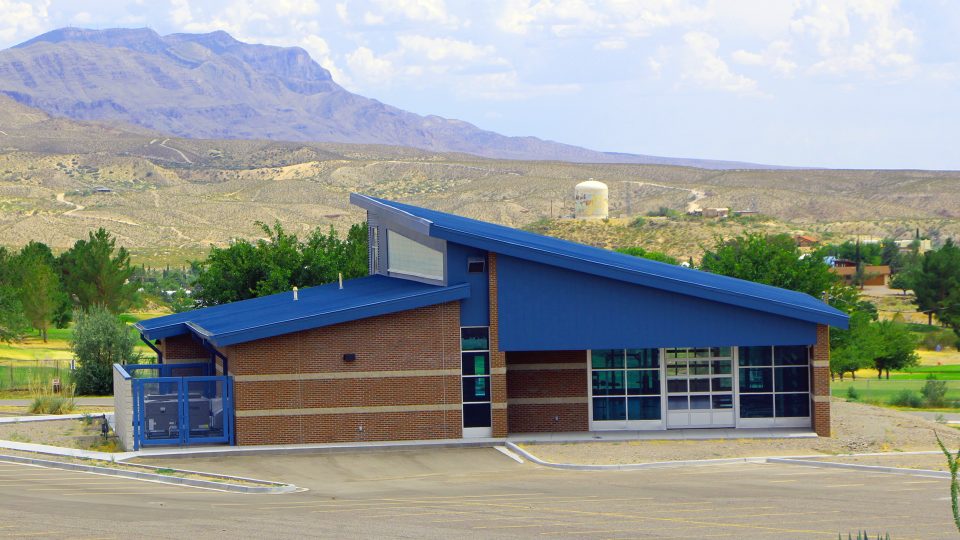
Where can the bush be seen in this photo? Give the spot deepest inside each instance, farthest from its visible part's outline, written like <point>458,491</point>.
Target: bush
<point>46,402</point>
<point>942,337</point>
<point>637,222</point>
<point>99,341</point>
<point>907,398</point>
<point>853,394</point>
<point>934,392</point>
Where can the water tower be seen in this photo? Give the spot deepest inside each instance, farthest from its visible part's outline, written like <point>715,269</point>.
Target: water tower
<point>590,200</point>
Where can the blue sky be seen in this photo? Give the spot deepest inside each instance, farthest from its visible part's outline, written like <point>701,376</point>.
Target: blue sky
<point>836,83</point>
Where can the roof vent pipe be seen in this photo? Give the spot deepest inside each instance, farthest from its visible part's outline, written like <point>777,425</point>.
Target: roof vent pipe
<point>340,277</point>
<point>294,294</point>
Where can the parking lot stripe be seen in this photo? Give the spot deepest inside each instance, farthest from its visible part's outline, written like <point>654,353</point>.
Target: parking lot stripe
<point>842,485</point>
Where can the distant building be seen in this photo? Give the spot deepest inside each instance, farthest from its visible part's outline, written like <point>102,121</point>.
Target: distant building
<point>872,275</point>
<point>923,245</point>
<point>716,212</point>
<point>803,240</point>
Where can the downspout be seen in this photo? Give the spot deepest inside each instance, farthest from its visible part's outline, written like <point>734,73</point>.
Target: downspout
<point>154,347</point>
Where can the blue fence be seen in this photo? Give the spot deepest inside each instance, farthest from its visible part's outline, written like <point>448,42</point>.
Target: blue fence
<point>170,408</point>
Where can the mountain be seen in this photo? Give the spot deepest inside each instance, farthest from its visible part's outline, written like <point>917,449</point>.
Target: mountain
<point>211,86</point>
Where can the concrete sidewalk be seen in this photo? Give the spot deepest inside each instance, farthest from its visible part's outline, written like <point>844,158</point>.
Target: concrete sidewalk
<point>700,434</point>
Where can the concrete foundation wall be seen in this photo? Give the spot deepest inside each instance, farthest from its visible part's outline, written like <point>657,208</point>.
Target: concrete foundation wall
<point>123,408</point>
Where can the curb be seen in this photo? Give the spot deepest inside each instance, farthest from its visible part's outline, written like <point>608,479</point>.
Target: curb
<point>272,488</point>
<point>632,466</point>
<point>865,468</point>
<point>51,417</point>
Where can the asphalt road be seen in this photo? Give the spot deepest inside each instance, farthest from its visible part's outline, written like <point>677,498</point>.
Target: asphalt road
<point>474,493</point>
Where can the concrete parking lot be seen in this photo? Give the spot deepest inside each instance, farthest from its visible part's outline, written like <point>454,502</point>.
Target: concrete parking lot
<point>475,493</point>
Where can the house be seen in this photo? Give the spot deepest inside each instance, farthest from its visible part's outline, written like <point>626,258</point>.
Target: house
<point>469,329</point>
<point>805,241</point>
<point>716,212</point>
<point>872,274</point>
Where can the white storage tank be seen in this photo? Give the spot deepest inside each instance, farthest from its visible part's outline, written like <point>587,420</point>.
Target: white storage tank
<point>590,200</point>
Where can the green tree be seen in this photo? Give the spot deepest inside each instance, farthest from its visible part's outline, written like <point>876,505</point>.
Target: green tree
<point>890,254</point>
<point>40,292</point>
<point>100,340</point>
<point>897,348</point>
<point>774,260</point>
<point>637,251</point>
<point>854,348</point>
<point>13,323</point>
<point>96,273</point>
<point>936,283</point>
<point>278,263</point>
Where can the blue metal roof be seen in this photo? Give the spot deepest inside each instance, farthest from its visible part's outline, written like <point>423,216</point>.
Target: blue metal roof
<point>609,264</point>
<point>268,316</point>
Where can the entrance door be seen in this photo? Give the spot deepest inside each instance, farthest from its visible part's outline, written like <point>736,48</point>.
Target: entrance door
<point>699,387</point>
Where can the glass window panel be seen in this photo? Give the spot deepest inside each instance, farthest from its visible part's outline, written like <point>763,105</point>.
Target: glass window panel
<point>607,383</point>
<point>756,406</point>
<point>724,352</point>
<point>722,384</point>
<point>607,358</point>
<point>791,379</point>
<point>410,257</point>
<point>699,402</point>
<point>792,405</point>
<point>702,353</point>
<point>643,408</point>
<point>676,386</point>
<point>474,339</point>
<point>643,358</point>
<point>645,381</point>
<point>476,415</point>
<point>791,356</point>
<point>677,368</point>
<point>476,389</point>
<point>756,356</point>
<point>699,385</point>
<point>722,367</point>
<point>677,403</point>
<point>700,367</point>
<point>476,363</point>
<point>724,401</point>
<point>609,409</point>
<point>756,380</point>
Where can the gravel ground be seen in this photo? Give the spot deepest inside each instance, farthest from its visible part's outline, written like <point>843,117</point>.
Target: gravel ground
<point>857,428</point>
<point>66,433</point>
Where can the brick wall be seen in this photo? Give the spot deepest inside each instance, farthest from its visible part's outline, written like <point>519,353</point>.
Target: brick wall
<point>182,349</point>
<point>547,391</point>
<point>498,377</point>
<point>820,382</point>
<point>403,385</point>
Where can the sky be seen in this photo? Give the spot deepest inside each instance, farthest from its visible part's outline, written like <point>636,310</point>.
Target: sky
<point>831,83</point>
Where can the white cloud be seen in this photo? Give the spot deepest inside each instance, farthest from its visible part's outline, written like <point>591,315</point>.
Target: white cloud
<point>22,19</point>
<point>706,68</point>
<point>566,18</point>
<point>775,57</point>
<point>368,66</point>
<point>372,19</point>
<point>319,50</point>
<point>612,44</point>
<point>433,11</point>
<point>82,18</point>
<point>443,49</point>
<point>342,14</point>
<point>507,86</point>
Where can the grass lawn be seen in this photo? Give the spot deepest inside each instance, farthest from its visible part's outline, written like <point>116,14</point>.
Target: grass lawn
<point>883,390</point>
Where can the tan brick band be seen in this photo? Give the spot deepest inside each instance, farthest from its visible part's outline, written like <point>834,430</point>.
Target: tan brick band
<point>821,399</point>
<point>546,367</point>
<point>546,400</point>
<point>345,375</point>
<point>821,363</point>
<point>345,410</point>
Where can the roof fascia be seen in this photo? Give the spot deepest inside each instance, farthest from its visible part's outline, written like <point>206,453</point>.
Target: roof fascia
<point>414,223</point>
<point>448,294</point>
<point>621,274</point>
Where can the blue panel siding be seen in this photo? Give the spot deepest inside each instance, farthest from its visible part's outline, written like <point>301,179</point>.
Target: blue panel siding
<point>474,311</point>
<point>544,307</point>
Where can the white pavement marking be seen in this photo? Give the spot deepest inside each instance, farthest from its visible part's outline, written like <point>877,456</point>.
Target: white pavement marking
<point>503,450</point>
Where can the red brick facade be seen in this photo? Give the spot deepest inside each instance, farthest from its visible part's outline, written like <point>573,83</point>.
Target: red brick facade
<point>498,377</point>
<point>404,383</point>
<point>183,349</point>
<point>547,391</point>
<point>820,382</point>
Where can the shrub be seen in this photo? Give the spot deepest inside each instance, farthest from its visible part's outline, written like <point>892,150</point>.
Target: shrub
<point>942,337</point>
<point>934,392</point>
<point>853,394</point>
<point>46,402</point>
<point>637,222</point>
<point>99,341</point>
<point>907,398</point>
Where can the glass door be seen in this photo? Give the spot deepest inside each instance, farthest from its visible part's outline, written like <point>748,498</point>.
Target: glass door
<point>699,387</point>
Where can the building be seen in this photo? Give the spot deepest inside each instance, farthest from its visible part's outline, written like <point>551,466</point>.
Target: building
<point>872,274</point>
<point>470,329</point>
<point>922,245</point>
<point>716,212</point>
<point>805,241</point>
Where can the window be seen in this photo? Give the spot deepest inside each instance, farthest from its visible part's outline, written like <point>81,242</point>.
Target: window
<point>409,257</point>
<point>475,376</point>
<point>775,382</point>
<point>475,265</point>
<point>699,379</point>
<point>625,384</point>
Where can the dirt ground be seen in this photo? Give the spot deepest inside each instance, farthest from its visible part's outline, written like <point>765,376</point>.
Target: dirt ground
<point>66,433</point>
<point>857,428</point>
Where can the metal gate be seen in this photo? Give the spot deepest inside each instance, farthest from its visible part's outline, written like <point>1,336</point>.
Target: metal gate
<point>182,411</point>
